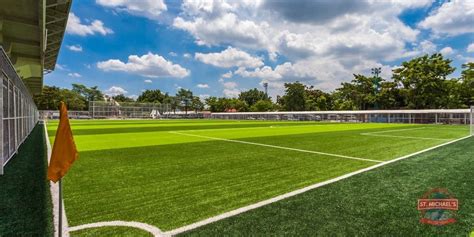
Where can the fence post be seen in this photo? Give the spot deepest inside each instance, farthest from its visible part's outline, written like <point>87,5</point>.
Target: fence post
<point>2,159</point>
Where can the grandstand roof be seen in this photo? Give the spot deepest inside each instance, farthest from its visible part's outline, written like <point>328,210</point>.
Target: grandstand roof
<point>31,33</point>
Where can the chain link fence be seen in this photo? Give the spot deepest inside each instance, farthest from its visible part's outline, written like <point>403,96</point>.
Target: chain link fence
<point>432,116</point>
<point>18,114</point>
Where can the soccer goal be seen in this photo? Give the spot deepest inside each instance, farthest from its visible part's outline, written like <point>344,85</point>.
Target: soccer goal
<point>126,110</point>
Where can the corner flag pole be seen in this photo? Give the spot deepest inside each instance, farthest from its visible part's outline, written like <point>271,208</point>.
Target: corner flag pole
<point>64,153</point>
<point>60,222</point>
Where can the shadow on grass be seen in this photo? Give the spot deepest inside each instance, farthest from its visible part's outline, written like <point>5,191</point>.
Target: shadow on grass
<point>25,201</point>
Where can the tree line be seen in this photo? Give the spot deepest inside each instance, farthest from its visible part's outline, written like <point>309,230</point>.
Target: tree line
<point>420,83</point>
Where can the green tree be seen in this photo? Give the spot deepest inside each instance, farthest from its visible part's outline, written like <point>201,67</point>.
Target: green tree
<point>252,96</point>
<point>51,96</point>
<point>294,98</point>
<point>316,99</point>
<point>197,104</point>
<point>212,103</point>
<point>89,93</point>
<point>172,101</point>
<point>185,98</point>
<point>122,98</point>
<point>467,84</point>
<point>152,96</point>
<point>262,106</point>
<point>423,81</point>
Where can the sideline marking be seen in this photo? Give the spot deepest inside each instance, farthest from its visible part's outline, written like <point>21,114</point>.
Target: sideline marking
<point>278,147</point>
<point>139,225</point>
<point>54,189</point>
<point>298,191</point>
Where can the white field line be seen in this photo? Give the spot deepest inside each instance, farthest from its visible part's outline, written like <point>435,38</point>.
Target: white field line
<point>54,189</point>
<point>409,137</point>
<point>396,130</point>
<point>277,147</point>
<point>139,225</point>
<point>379,134</point>
<point>296,192</point>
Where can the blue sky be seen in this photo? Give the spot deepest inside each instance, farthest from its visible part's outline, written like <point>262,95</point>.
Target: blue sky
<point>220,48</point>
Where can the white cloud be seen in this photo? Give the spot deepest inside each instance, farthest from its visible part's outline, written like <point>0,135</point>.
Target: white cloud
<point>134,97</point>
<point>147,8</point>
<point>470,48</point>
<point>74,74</point>
<point>447,51</point>
<point>230,85</point>
<point>115,90</point>
<point>148,65</point>
<point>225,29</point>
<point>75,27</point>
<point>227,75</point>
<point>60,67</point>
<point>231,93</point>
<point>187,55</point>
<point>230,89</point>
<point>173,54</point>
<point>202,85</point>
<point>147,81</point>
<point>452,18</point>
<point>231,57</point>
<point>465,59</point>
<point>75,48</point>
<point>204,96</point>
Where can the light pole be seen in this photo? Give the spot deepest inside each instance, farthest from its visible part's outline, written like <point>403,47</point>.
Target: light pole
<point>265,85</point>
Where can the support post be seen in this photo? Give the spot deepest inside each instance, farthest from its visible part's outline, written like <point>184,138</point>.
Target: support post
<point>60,217</point>
<point>471,122</point>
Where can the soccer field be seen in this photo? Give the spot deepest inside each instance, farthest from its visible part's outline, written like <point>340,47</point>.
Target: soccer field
<point>172,173</point>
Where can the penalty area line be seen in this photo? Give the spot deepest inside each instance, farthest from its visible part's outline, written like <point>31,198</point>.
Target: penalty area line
<point>298,191</point>
<point>410,137</point>
<point>277,147</point>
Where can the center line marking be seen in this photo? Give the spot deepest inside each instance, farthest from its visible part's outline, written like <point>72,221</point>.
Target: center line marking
<point>277,147</point>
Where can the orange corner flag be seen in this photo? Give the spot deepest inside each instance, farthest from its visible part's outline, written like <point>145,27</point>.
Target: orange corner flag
<point>64,149</point>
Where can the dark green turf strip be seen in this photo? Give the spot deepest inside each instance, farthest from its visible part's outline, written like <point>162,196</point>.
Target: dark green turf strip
<point>116,231</point>
<point>381,202</point>
<point>25,201</point>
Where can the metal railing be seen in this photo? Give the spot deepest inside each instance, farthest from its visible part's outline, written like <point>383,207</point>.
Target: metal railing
<point>18,114</point>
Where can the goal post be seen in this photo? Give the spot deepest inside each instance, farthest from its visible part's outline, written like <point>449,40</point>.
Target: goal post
<point>471,121</point>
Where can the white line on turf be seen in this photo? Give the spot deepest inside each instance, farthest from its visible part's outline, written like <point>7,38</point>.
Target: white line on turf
<point>378,134</point>
<point>54,189</point>
<point>277,147</point>
<point>409,137</point>
<point>139,225</point>
<point>397,130</point>
<point>296,192</point>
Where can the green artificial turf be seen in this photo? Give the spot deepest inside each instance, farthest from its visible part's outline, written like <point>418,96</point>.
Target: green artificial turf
<point>142,171</point>
<point>381,202</point>
<point>25,200</point>
<point>116,231</point>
